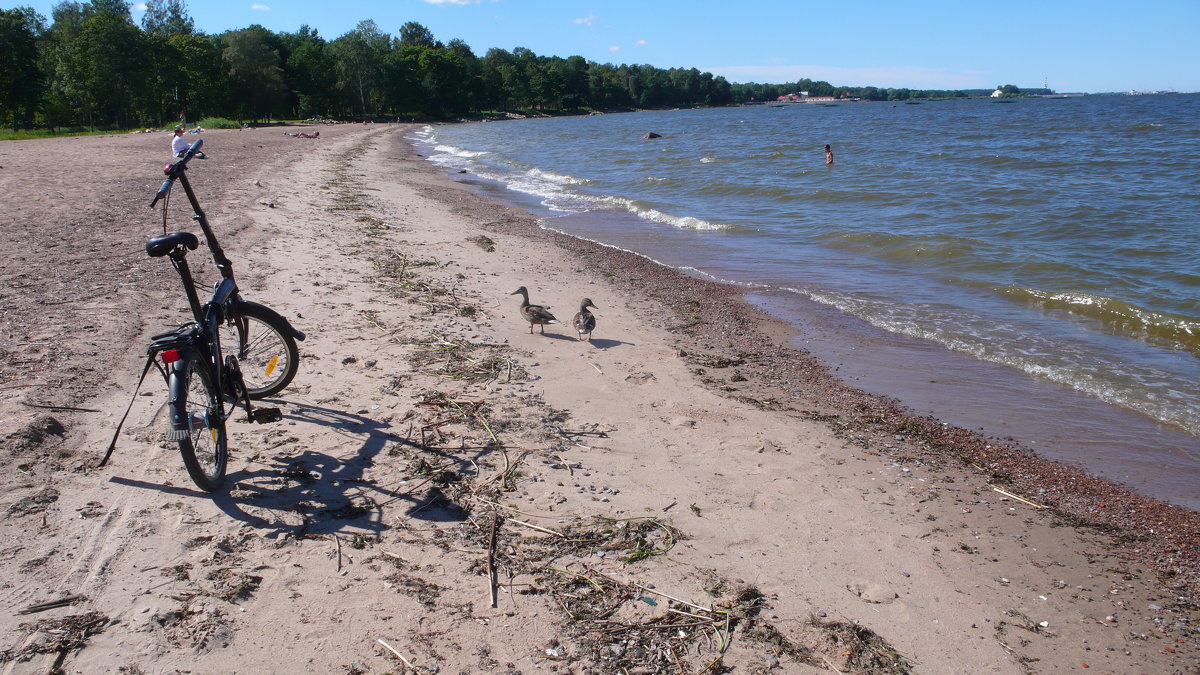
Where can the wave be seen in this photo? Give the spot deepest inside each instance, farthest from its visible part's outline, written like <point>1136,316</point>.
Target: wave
<point>561,179</point>
<point>556,191</point>
<point>1156,394</point>
<point>904,247</point>
<point>460,152</point>
<point>1118,316</point>
<point>655,216</point>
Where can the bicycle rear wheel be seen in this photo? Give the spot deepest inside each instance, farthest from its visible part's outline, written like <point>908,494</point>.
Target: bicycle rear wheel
<point>266,351</point>
<point>204,447</point>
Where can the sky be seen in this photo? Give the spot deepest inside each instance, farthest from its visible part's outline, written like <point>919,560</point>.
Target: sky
<point>1068,45</point>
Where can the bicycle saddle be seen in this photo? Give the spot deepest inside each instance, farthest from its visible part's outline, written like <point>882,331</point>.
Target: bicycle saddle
<point>162,245</point>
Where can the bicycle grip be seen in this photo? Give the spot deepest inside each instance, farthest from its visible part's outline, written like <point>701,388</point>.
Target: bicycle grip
<point>162,191</point>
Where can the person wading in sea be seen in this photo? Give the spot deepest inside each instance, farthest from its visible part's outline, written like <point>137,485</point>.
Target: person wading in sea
<point>828,155</point>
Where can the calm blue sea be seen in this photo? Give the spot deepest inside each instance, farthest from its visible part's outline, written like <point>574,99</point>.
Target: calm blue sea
<point>1028,267</point>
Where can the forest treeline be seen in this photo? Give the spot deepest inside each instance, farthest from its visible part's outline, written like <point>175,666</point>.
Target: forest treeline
<point>90,65</point>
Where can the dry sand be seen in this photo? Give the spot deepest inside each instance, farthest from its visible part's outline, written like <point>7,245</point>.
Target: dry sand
<point>683,494</point>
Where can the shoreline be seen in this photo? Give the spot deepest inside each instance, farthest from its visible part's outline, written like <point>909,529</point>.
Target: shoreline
<point>1028,379</point>
<point>779,374</point>
<point>682,491</point>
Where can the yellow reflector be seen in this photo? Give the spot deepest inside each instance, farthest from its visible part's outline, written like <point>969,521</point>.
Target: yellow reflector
<point>271,366</point>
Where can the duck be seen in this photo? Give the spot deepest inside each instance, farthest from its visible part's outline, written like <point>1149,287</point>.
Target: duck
<point>534,314</point>
<point>585,321</point>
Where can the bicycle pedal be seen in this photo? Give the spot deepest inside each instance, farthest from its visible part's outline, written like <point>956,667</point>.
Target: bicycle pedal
<point>266,415</point>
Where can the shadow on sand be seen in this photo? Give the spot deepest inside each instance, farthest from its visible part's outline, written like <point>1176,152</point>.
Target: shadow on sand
<point>318,493</point>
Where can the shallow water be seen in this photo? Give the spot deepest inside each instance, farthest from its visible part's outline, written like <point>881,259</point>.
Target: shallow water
<point>1005,266</point>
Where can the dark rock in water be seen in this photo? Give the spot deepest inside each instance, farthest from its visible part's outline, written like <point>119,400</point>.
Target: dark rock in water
<point>651,134</point>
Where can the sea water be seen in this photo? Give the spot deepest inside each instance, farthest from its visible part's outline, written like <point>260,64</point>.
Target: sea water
<point>1026,267</point>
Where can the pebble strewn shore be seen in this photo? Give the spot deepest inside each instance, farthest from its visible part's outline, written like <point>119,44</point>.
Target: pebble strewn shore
<point>712,318</point>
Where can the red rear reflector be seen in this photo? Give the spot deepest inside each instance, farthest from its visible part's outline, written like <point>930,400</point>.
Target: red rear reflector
<point>170,355</point>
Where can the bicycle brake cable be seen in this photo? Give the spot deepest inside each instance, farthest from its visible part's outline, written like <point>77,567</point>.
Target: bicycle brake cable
<point>166,201</point>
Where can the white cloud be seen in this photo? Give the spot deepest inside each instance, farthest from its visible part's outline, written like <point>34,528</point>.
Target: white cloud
<point>141,7</point>
<point>261,8</point>
<point>640,43</point>
<point>586,21</point>
<point>454,2</point>
<point>614,48</point>
<point>913,77</point>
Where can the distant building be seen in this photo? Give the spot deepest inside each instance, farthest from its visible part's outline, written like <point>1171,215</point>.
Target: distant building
<point>997,94</point>
<point>803,97</point>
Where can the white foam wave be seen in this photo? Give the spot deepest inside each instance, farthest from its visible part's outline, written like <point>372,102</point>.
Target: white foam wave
<point>1168,407</point>
<point>561,179</point>
<point>656,216</point>
<point>460,152</point>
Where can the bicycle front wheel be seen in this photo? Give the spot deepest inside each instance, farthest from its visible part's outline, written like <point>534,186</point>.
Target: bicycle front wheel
<point>204,447</point>
<point>264,346</point>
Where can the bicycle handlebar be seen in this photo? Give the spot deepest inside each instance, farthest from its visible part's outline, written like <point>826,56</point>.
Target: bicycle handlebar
<point>174,169</point>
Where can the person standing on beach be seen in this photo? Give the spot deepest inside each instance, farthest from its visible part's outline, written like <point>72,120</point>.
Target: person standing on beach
<point>179,144</point>
<point>828,155</point>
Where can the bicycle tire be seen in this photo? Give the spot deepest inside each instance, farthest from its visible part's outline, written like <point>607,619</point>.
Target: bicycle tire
<point>204,448</point>
<point>269,357</point>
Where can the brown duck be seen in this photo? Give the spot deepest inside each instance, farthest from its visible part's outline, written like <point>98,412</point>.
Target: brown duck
<point>585,321</point>
<point>534,314</point>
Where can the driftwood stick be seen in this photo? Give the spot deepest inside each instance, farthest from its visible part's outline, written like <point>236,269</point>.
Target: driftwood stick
<point>577,576</point>
<point>651,590</point>
<point>396,653</point>
<point>59,407</point>
<point>706,619</point>
<point>394,556</point>
<point>339,551</point>
<point>491,561</point>
<point>52,604</point>
<point>1010,495</point>
<point>537,527</point>
<point>515,509</point>
<point>678,663</point>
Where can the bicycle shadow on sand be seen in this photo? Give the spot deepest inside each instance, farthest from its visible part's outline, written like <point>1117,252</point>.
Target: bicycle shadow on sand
<point>316,493</point>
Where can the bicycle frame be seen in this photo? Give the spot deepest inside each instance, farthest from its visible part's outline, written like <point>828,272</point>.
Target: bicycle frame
<point>176,171</point>
<point>199,340</point>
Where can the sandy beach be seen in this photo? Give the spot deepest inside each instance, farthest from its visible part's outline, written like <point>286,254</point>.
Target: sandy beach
<point>451,493</point>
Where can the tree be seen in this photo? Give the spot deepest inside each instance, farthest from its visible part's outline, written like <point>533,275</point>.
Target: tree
<point>167,18</point>
<point>117,8</point>
<point>1009,90</point>
<point>413,34</point>
<point>21,81</point>
<point>256,79</point>
<point>358,56</point>
<point>310,72</point>
<point>110,62</point>
<point>201,84</point>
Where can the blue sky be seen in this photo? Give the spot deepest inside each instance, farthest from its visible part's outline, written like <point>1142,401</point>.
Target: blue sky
<point>1109,45</point>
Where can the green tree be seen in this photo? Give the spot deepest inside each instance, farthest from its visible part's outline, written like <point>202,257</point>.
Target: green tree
<point>413,34</point>
<point>21,81</point>
<point>64,99</point>
<point>110,62</point>
<point>201,84</point>
<point>167,18</point>
<point>310,72</point>
<point>358,57</point>
<point>117,8</point>
<point>255,76</point>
